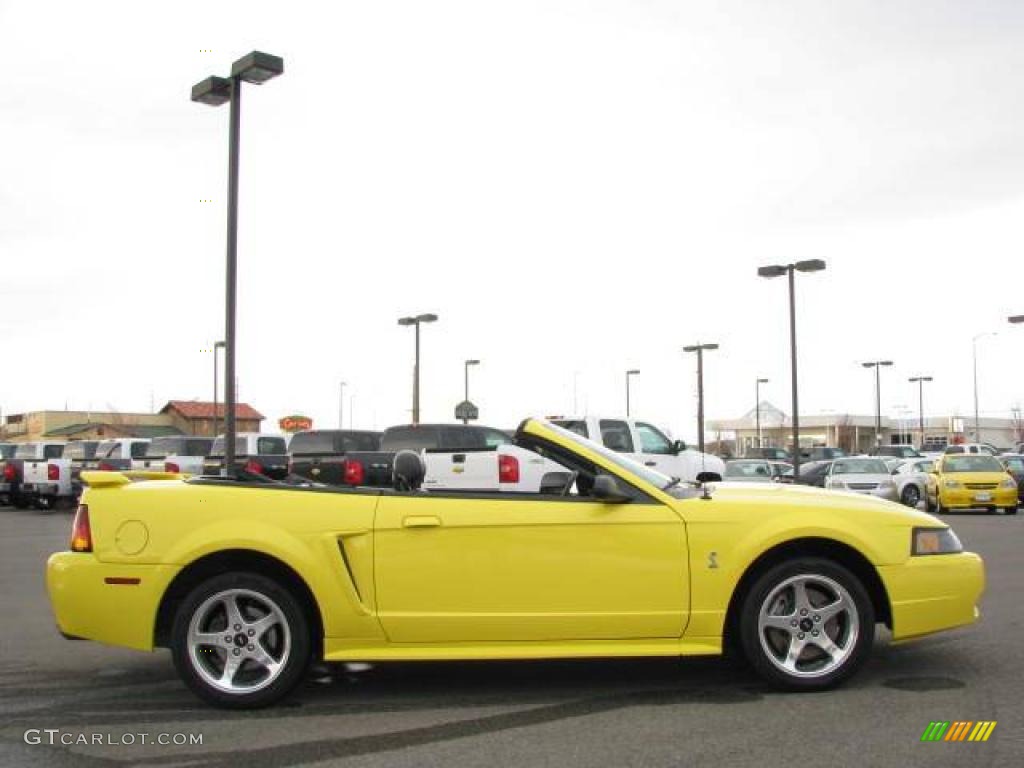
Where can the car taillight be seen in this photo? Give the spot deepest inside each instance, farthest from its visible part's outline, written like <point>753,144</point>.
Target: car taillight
<point>170,466</point>
<point>81,533</point>
<point>253,467</point>
<point>355,474</point>
<point>10,473</point>
<point>508,469</point>
<point>105,467</point>
<point>52,473</point>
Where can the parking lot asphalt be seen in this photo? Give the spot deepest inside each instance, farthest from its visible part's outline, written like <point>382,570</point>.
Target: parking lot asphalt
<point>581,713</point>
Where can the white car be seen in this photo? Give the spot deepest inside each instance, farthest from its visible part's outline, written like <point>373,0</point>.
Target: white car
<point>645,443</point>
<point>861,474</point>
<point>913,480</point>
<point>974,448</point>
<point>45,475</point>
<point>118,454</point>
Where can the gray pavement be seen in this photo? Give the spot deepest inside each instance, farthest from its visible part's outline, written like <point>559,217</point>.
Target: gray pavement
<point>583,713</point>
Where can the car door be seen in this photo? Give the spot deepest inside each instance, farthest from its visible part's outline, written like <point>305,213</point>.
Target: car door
<point>493,567</point>
<point>657,450</point>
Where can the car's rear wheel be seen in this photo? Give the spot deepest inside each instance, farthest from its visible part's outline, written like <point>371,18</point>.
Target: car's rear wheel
<point>241,640</point>
<point>911,495</point>
<point>807,624</point>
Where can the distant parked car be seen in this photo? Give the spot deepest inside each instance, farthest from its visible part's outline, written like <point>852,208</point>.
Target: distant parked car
<point>13,485</point>
<point>339,457</point>
<point>1014,463</point>
<point>983,449</point>
<point>914,480</point>
<point>183,454</point>
<point>754,470</point>
<point>973,482</point>
<point>897,451</point>
<point>257,453</point>
<point>117,454</point>
<point>6,452</point>
<point>78,453</point>
<point>825,452</point>
<point>775,454</point>
<point>45,474</point>
<point>861,475</point>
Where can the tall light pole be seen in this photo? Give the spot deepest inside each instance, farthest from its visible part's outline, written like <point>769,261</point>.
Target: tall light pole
<point>757,409</point>
<point>974,352</point>
<point>216,345</point>
<point>466,382</point>
<point>254,68</point>
<point>632,372</point>
<point>699,349</point>
<point>778,270</point>
<point>920,380</point>
<point>878,365</point>
<point>341,404</point>
<point>417,320</point>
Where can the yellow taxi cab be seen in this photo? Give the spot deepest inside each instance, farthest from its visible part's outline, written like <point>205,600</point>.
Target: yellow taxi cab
<point>972,481</point>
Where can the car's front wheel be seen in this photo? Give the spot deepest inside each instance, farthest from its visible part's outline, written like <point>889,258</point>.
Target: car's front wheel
<point>241,640</point>
<point>807,624</point>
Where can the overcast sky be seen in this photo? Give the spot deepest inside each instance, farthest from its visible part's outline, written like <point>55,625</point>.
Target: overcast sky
<point>576,188</point>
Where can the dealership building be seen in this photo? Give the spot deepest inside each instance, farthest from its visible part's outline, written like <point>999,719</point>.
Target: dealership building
<point>177,417</point>
<point>855,433</point>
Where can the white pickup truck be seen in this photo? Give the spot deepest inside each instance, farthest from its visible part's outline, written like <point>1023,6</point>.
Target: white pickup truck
<point>645,443</point>
<point>175,453</point>
<point>463,457</point>
<point>45,474</point>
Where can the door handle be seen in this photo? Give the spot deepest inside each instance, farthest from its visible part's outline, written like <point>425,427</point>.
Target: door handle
<point>650,463</point>
<point>421,521</point>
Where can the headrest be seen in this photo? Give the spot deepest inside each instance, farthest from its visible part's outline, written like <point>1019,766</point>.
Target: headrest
<point>409,471</point>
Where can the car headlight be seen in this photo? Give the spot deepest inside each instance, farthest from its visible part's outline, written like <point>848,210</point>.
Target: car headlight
<point>1008,483</point>
<point>935,541</point>
<point>951,483</point>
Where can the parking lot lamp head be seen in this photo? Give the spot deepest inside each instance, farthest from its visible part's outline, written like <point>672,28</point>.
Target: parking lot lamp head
<point>257,67</point>
<point>213,91</point>
<point>416,321</point>
<point>775,270</point>
<point>810,265</point>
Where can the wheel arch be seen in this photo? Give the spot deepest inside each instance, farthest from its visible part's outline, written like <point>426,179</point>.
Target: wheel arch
<point>830,549</point>
<point>223,561</point>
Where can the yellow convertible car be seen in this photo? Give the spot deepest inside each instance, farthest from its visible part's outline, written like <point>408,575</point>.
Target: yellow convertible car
<point>248,582</point>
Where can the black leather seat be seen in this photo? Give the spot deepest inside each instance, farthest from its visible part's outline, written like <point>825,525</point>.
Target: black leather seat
<point>409,471</point>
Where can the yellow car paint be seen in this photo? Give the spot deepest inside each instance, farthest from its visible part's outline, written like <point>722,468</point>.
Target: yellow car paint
<point>972,490</point>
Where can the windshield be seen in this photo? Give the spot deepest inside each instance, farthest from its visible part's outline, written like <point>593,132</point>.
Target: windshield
<point>747,469</point>
<point>633,467</point>
<point>968,463</point>
<point>859,467</point>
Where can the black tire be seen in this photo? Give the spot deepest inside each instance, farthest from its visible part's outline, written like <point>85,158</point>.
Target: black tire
<point>1011,510</point>
<point>19,502</point>
<point>911,495</point>
<point>854,630</point>
<point>291,636</point>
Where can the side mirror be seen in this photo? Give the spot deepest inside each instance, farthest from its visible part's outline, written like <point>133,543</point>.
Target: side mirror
<point>678,446</point>
<point>606,489</point>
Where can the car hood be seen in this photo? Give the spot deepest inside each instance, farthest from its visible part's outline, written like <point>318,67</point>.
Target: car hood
<point>769,497</point>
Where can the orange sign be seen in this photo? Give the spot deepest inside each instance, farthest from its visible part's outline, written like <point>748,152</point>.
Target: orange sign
<point>295,423</point>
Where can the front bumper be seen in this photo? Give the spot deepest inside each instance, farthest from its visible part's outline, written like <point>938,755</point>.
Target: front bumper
<point>932,593</point>
<point>86,605</point>
<point>965,498</point>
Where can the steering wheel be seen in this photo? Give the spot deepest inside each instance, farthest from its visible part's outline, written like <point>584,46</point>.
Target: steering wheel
<point>568,484</point>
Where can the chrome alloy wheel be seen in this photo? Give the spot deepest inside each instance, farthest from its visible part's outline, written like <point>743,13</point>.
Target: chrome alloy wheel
<point>808,625</point>
<point>239,641</point>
